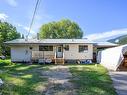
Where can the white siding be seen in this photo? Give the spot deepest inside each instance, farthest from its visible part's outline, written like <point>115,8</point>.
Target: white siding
<point>43,54</point>
<point>21,53</point>
<point>74,53</point>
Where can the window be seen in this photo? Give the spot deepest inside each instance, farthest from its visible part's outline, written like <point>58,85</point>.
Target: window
<point>45,48</point>
<point>66,47</point>
<point>30,48</point>
<point>83,48</point>
<point>59,49</point>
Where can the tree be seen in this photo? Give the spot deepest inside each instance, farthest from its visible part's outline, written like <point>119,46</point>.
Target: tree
<point>61,29</point>
<point>7,33</point>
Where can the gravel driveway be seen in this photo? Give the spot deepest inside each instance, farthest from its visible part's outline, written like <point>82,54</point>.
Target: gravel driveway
<point>58,81</point>
<point>119,81</point>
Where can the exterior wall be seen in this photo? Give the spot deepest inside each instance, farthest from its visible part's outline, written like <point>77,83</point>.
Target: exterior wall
<point>36,54</point>
<point>22,53</point>
<point>19,54</point>
<point>74,53</point>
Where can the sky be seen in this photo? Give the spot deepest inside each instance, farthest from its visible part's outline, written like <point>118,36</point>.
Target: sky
<point>99,19</point>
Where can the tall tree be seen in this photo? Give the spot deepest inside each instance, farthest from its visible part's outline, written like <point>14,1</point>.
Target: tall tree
<point>61,29</point>
<point>7,33</point>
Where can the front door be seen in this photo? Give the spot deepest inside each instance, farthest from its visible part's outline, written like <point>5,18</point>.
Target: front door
<point>59,52</point>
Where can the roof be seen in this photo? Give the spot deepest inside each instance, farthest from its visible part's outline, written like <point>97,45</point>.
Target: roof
<point>60,41</point>
<point>49,41</point>
<point>105,44</point>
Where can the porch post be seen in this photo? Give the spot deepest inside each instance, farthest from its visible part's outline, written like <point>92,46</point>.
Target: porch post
<point>55,55</point>
<point>30,56</point>
<point>63,55</point>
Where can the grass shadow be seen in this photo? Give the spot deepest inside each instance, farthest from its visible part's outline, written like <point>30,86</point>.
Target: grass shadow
<point>92,80</point>
<point>21,79</point>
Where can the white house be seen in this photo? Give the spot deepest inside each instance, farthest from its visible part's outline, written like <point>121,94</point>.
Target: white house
<point>53,50</point>
<point>56,50</point>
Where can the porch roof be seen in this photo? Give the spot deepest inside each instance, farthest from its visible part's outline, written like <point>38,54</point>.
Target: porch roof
<point>50,41</point>
<point>105,44</point>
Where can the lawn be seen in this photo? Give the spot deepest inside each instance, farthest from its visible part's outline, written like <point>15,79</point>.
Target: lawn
<point>22,79</point>
<point>92,80</point>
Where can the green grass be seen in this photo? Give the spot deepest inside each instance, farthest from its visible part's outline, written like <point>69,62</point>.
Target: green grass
<point>92,80</point>
<point>21,79</point>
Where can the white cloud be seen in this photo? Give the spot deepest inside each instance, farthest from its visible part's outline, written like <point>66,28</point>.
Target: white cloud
<point>103,35</point>
<point>12,3</point>
<point>3,16</point>
<point>41,16</point>
<point>19,25</point>
<point>40,19</point>
<point>27,29</point>
<point>24,28</point>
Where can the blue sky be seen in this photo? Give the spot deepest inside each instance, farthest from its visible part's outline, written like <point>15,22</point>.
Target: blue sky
<point>99,19</point>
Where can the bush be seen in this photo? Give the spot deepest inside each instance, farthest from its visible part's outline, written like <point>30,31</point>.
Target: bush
<point>5,62</point>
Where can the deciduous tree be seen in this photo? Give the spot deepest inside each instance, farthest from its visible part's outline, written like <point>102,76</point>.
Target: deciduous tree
<point>7,33</point>
<point>61,29</point>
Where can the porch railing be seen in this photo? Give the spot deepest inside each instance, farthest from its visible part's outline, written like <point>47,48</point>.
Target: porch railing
<point>42,54</point>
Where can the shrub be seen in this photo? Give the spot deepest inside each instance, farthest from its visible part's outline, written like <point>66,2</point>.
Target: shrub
<point>5,62</point>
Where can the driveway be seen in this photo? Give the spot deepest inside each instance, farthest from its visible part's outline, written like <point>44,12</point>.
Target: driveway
<point>58,81</point>
<point>119,81</point>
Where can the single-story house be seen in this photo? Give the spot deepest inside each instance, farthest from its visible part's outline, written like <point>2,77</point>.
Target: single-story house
<point>114,58</point>
<point>52,50</point>
<point>56,50</point>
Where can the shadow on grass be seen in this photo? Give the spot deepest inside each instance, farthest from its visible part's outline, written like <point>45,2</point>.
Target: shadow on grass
<point>92,80</point>
<point>23,79</point>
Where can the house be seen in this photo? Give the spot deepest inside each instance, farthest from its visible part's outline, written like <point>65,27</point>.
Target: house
<point>114,58</point>
<point>57,51</point>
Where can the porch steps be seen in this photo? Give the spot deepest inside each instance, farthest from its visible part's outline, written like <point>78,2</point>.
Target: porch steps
<point>59,61</point>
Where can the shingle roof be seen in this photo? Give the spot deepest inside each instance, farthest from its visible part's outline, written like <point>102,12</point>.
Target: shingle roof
<point>48,41</point>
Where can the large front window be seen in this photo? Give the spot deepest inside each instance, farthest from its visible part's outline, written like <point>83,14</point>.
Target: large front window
<point>45,48</point>
<point>83,48</point>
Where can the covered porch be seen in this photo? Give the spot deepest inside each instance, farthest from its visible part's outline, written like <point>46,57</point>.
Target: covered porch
<point>48,54</point>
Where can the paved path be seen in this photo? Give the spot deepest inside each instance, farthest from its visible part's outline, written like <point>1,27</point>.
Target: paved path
<point>58,81</point>
<point>119,81</point>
